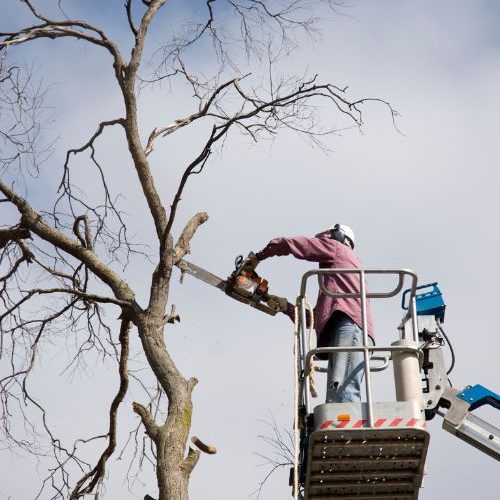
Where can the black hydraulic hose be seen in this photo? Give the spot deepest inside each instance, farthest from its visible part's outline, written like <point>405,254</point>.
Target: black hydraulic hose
<point>452,352</point>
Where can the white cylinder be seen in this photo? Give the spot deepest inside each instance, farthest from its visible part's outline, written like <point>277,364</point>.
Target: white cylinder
<point>407,373</point>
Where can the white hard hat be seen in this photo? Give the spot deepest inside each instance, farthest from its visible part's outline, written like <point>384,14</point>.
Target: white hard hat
<point>339,232</point>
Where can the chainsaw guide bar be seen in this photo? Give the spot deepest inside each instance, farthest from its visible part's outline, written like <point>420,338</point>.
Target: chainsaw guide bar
<point>227,286</point>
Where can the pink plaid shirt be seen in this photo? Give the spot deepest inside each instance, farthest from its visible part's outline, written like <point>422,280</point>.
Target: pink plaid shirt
<point>329,254</point>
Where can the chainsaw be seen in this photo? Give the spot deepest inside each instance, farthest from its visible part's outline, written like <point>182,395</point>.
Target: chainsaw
<point>243,284</point>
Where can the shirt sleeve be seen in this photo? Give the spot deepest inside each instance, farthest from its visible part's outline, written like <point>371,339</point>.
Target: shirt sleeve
<point>301,247</point>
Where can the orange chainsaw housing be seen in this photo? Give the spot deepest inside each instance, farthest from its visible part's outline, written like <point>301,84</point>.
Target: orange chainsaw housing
<point>250,284</point>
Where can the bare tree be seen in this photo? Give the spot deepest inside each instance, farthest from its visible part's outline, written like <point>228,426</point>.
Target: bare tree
<point>61,268</point>
<point>278,453</point>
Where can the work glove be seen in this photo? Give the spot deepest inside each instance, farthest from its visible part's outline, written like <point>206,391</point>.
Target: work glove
<point>251,262</point>
<point>279,304</point>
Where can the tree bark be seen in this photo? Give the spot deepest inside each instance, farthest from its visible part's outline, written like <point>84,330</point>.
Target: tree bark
<point>171,474</point>
<point>173,468</point>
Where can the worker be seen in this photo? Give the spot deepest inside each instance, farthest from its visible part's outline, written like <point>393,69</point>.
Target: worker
<point>338,322</point>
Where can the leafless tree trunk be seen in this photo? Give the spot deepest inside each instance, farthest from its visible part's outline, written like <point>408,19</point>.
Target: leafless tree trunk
<point>73,254</point>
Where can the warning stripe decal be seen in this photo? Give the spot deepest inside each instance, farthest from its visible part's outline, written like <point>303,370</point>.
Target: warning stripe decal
<point>359,423</point>
<point>395,422</point>
<point>379,423</point>
<point>326,424</point>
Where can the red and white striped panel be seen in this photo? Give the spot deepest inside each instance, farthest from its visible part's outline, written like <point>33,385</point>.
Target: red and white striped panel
<point>380,423</point>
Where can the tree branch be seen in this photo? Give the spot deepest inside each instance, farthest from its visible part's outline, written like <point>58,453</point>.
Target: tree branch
<point>206,448</point>
<point>14,233</point>
<point>128,6</point>
<point>182,122</point>
<point>190,461</point>
<point>182,245</point>
<point>34,222</point>
<point>152,429</point>
<point>132,128</point>
<point>87,241</point>
<point>83,295</point>
<point>97,473</point>
<point>55,29</point>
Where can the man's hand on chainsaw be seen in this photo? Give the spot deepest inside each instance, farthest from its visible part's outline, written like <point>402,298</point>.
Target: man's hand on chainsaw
<point>279,304</point>
<point>250,263</point>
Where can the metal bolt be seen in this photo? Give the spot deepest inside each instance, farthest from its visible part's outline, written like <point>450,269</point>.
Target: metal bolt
<point>491,436</point>
<point>429,402</point>
<point>438,387</point>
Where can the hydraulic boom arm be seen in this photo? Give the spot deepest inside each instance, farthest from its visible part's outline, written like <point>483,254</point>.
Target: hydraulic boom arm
<point>460,421</point>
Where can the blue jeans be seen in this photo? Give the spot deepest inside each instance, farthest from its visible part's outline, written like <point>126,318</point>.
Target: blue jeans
<point>345,369</point>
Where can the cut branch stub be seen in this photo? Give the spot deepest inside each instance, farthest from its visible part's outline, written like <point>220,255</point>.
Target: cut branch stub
<point>182,245</point>
<point>152,429</point>
<point>206,448</point>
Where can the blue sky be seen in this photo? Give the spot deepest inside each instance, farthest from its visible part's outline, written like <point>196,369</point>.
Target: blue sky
<point>426,199</point>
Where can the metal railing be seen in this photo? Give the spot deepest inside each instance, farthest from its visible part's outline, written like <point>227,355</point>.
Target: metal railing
<point>363,295</point>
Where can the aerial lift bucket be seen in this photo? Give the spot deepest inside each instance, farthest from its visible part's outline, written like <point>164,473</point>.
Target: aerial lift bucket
<point>348,460</point>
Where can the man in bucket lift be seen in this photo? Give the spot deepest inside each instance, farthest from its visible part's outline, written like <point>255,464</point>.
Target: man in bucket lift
<point>337,322</point>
